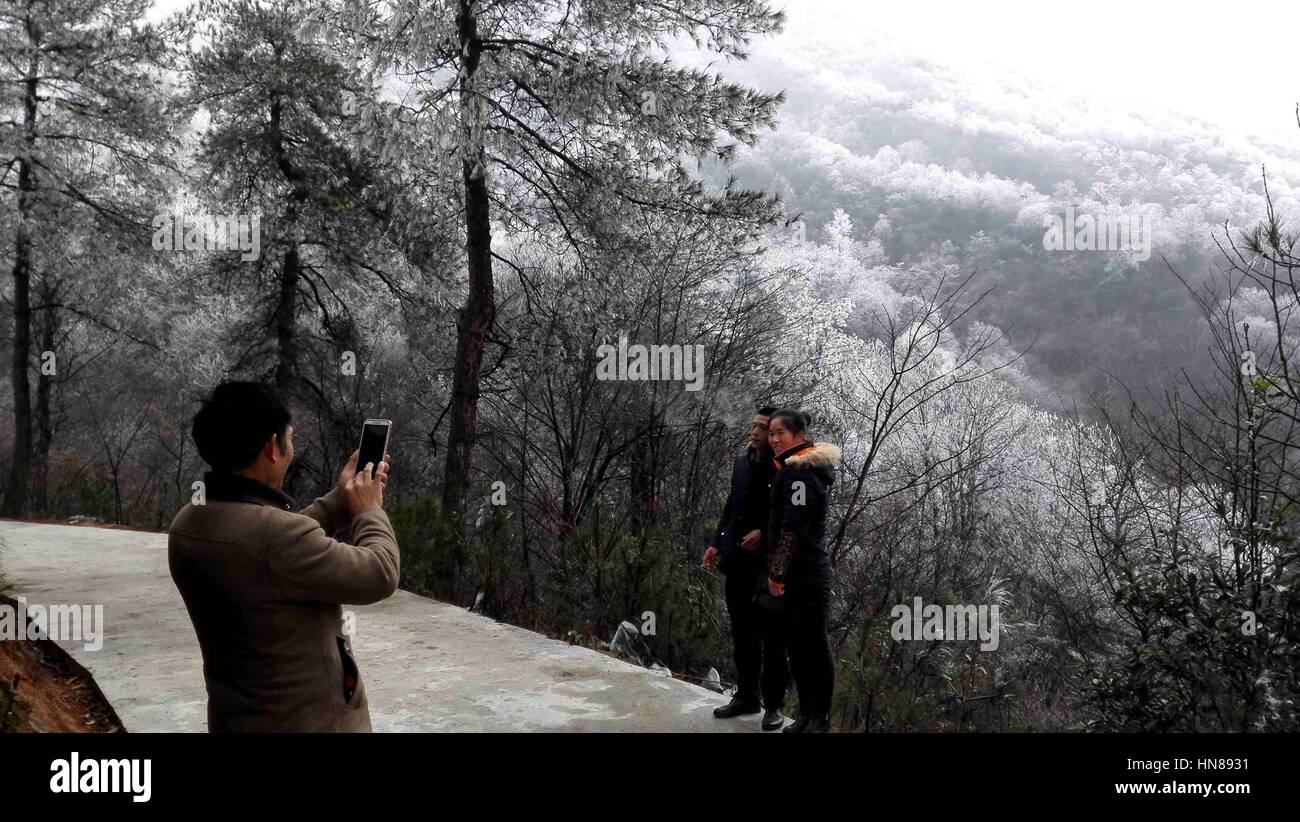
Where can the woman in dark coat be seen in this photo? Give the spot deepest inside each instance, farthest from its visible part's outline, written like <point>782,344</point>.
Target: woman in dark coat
<point>798,584</point>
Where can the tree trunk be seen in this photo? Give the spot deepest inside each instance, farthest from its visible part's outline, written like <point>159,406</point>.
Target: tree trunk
<point>480,309</point>
<point>16,498</point>
<point>44,426</point>
<point>643,474</point>
<point>285,320</point>
<point>286,307</point>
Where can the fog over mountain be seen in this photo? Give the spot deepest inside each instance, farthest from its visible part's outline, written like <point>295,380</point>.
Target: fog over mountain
<point>952,166</point>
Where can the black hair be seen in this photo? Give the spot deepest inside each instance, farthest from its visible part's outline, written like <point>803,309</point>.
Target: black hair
<point>796,420</point>
<point>233,424</point>
<point>766,410</point>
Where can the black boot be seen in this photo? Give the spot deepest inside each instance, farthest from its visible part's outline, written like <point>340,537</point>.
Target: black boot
<point>773,719</point>
<point>800,724</point>
<point>820,724</point>
<point>736,707</point>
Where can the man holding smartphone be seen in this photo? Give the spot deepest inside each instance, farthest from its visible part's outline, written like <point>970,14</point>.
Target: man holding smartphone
<point>263,585</point>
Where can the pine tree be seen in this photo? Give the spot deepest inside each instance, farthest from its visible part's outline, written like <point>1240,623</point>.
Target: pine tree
<point>560,121</point>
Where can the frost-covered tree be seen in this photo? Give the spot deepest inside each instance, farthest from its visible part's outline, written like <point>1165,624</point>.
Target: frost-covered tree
<point>84,141</point>
<point>569,122</point>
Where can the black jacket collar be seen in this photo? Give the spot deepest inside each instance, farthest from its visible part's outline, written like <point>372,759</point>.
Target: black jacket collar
<point>790,452</point>
<point>238,488</point>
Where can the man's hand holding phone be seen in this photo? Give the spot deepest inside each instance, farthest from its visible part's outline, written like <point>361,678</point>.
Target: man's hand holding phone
<point>351,468</point>
<point>363,490</point>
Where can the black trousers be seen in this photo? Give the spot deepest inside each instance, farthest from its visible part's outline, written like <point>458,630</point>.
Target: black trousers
<point>758,638</point>
<point>807,602</point>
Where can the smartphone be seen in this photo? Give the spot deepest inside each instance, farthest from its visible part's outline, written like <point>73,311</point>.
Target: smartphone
<point>374,443</point>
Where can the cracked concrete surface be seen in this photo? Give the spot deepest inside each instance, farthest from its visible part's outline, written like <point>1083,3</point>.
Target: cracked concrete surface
<point>428,666</point>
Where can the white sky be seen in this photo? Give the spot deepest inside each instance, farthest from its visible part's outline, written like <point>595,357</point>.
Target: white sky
<point>1231,62</point>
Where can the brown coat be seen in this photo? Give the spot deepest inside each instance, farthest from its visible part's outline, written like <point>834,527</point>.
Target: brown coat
<point>263,586</point>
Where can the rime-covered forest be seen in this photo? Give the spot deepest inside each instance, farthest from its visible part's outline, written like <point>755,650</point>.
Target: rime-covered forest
<point>438,212</point>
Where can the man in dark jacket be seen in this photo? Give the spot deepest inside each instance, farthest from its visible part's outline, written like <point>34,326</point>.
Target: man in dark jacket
<point>798,583</point>
<point>737,550</point>
<point>263,585</point>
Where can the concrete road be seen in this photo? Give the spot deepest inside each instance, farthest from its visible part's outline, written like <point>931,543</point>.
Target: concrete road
<point>428,666</point>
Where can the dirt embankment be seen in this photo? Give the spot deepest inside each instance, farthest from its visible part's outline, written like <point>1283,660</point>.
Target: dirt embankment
<point>44,690</point>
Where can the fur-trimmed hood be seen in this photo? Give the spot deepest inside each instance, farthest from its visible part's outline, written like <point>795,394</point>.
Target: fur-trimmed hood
<point>821,454</point>
<point>818,461</point>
